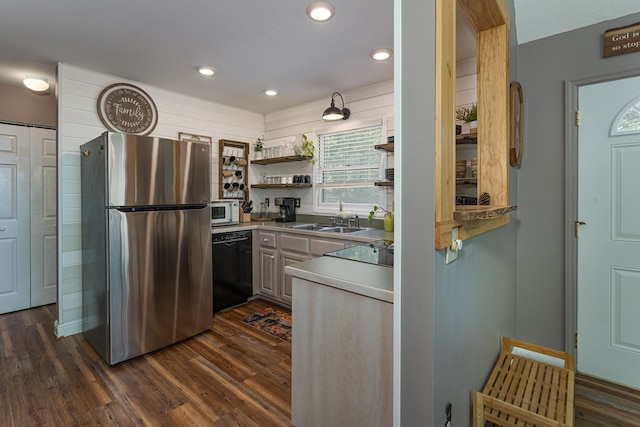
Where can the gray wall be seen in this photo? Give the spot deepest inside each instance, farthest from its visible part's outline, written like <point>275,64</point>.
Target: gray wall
<point>544,66</point>
<point>414,293</point>
<point>19,105</point>
<point>475,306</point>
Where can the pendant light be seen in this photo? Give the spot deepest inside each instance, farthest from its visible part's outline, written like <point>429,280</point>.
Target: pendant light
<point>333,112</point>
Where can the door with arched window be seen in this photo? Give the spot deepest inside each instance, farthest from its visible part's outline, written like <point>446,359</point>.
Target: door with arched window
<point>609,239</point>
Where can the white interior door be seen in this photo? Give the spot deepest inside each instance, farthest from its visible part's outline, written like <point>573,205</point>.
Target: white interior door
<point>15,291</point>
<point>609,242</point>
<point>43,217</point>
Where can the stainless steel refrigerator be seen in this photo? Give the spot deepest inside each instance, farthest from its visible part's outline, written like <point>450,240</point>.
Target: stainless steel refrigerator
<point>146,243</point>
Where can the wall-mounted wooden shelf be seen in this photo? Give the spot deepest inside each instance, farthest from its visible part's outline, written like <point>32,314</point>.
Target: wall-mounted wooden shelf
<point>284,159</point>
<point>385,147</point>
<point>474,212</point>
<point>490,20</point>
<point>469,138</point>
<point>384,183</point>
<point>471,181</point>
<point>281,185</point>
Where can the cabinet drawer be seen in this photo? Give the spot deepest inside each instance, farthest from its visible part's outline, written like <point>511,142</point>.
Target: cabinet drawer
<point>294,243</point>
<point>319,247</point>
<point>267,240</point>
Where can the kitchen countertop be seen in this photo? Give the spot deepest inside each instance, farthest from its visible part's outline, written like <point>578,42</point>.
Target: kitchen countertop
<point>379,252</point>
<point>358,236</point>
<point>369,280</point>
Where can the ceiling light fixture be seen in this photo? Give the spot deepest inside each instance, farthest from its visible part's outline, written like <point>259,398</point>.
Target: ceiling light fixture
<point>333,112</point>
<point>36,84</point>
<point>321,11</point>
<point>381,54</point>
<point>206,71</point>
<point>270,92</point>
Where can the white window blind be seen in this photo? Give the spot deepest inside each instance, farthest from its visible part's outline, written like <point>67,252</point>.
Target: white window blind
<point>348,166</point>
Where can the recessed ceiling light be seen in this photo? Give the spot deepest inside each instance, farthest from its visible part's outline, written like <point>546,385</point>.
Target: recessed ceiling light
<point>206,71</point>
<point>381,54</point>
<point>270,92</point>
<point>321,11</point>
<point>36,84</point>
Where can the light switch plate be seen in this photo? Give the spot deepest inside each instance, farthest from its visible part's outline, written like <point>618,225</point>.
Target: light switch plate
<point>452,255</point>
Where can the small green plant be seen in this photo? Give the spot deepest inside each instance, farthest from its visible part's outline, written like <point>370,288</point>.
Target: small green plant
<point>259,145</point>
<point>467,114</point>
<point>376,209</point>
<point>308,149</point>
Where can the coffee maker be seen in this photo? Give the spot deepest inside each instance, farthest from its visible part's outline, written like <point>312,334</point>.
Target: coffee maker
<point>287,209</point>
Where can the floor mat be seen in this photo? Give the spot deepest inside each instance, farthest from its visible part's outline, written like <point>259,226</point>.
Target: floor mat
<point>274,322</point>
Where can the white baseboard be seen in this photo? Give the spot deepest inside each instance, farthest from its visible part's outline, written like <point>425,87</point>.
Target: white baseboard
<point>67,329</point>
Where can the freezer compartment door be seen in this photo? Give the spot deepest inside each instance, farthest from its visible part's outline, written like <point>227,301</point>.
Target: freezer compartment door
<point>146,171</point>
<point>161,285</point>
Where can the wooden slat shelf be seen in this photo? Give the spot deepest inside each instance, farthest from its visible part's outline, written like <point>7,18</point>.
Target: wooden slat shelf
<point>466,180</point>
<point>473,212</point>
<point>284,159</point>
<point>281,185</point>
<point>385,147</point>
<point>469,138</point>
<point>384,183</point>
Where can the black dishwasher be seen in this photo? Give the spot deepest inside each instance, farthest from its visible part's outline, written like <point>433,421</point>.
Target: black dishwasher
<point>232,264</point>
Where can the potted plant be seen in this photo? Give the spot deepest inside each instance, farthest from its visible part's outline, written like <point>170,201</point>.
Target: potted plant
<point>387,220</point>
<point>308,149</point>
<point>469,117</point>
<point>258,147</point>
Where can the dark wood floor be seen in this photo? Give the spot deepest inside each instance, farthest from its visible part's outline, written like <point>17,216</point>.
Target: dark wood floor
<point>233,375</point>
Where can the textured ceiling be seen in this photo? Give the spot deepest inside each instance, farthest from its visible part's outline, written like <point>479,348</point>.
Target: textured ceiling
<point>537,19</point>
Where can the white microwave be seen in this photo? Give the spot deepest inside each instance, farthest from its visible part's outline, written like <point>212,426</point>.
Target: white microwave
<point>225,212</point>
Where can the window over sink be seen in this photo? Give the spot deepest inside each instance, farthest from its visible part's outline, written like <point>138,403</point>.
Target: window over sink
<point>348,165</point>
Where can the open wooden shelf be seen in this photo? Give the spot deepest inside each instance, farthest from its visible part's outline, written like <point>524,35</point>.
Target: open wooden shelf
<point>474,212</point>
<point>384,183</point>
<point>468,138</point>
<point>281,185</point>
<point>284,159</point>
<point>385,147</point>
<point>471,181</point>
<point>491,21</point>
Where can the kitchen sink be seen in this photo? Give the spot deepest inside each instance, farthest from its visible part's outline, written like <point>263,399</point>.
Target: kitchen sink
<point>344,229</point>
<point>314,227</point>
<point>328,228</point>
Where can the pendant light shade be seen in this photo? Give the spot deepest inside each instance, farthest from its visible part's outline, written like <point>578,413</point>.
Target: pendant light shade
<point>333,112</point>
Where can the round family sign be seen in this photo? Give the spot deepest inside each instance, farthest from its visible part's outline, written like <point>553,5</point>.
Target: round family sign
<point>127,108</point>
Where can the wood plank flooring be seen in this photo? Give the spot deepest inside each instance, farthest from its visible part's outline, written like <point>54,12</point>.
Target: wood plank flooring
<point>232,375</point>
<point>603,404</point>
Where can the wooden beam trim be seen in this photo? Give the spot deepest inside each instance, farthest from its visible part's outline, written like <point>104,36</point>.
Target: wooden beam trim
<point>445,109</point>
<point>485,14</point>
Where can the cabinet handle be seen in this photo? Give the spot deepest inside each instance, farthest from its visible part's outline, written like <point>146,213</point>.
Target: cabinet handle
<point>2,228</point>
<point>272,257</point>
<point>265,240</point>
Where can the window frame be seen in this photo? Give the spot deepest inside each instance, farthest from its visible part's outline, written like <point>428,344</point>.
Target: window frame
<point>613,131</point>
<point>359,209</point>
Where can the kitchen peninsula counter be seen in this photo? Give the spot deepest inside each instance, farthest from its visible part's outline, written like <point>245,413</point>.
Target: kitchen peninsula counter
<point>342,346</point>
<point>372,281</point>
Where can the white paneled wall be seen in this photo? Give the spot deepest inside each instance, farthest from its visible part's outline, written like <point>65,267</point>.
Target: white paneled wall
<point>466,82</point>
<point>78,122</point>
<point>370,102</point>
